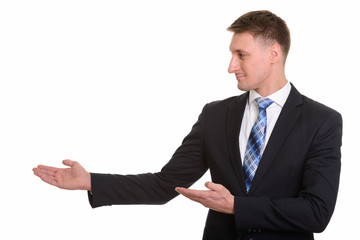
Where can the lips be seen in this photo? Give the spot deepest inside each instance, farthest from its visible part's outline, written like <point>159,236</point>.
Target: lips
<point>239,76</point>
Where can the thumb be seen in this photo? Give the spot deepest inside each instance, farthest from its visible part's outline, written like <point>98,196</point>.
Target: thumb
<point>68,162</point>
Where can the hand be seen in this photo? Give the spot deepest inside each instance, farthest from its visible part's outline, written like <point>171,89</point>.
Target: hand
<point>73,178</point>
<point>218,198</point>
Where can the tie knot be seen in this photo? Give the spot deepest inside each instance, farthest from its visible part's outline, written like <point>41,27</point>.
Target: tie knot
<point>263,102</point>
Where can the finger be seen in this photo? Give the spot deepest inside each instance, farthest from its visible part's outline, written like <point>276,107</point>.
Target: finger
<point>188,194</point>
<point>214,186</point>
<point>192,193</point>
<point>180,189</point>
<point>198,200</point>
<point>48,168</point>
<point>183,191</point>
<point>48,177</point>
<point>42,172</point>
<point>50,180</point>
<point>68,162</point>
<point>36,172</point>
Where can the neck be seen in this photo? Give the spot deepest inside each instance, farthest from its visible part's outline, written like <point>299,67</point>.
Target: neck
<point>273,86</point>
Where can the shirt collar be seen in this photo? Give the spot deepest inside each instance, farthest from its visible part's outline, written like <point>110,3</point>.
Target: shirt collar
<point>278,97</point>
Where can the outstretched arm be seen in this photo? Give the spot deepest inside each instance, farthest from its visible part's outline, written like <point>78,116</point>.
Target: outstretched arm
<point>73,178</point>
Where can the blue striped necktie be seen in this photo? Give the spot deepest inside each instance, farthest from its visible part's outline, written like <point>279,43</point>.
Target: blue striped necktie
<point>255,145</point>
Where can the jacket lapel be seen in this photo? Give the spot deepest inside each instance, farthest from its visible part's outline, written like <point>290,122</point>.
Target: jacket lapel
<point>234,118</point>
<point>288,116</point>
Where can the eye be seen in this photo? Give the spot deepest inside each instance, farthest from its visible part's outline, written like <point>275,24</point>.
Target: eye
<point>241,55</point>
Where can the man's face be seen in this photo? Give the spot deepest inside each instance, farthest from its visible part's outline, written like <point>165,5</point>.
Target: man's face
<point>250,62</point>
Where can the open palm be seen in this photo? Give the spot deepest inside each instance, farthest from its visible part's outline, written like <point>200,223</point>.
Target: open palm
<point>73,178</point>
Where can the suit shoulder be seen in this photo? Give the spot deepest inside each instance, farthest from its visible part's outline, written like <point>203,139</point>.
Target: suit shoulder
<point>319,109</point>
<point>225,102</point>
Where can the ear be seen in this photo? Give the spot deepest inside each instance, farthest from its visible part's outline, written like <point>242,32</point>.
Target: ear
<point>275,52</point>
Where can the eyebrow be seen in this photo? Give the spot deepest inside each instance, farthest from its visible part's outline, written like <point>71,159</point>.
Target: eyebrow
<point>239,51</point>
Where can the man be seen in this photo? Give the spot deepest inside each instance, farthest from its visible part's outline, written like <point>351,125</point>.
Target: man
<point>273,154</point>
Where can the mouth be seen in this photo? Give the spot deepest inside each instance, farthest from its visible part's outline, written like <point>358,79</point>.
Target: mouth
<point>240,76</point>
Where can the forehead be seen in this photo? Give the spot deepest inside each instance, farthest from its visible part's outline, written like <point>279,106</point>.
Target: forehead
<point>245,42</point>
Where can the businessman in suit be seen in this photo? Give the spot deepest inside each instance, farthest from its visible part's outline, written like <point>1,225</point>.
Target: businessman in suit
<point>273,154</point>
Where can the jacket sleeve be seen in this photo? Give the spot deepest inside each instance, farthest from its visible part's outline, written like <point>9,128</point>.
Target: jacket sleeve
<point>312,209</point>
<point>185,167</point>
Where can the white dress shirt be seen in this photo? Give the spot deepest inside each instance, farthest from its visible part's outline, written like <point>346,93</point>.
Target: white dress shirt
<point>252,111</point>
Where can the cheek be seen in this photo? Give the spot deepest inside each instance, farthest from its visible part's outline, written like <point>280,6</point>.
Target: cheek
<point>250,68</point>
<point>246,66</point>
<point>258,69</point>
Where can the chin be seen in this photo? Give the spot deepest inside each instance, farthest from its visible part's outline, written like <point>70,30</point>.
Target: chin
<point>243,88</point>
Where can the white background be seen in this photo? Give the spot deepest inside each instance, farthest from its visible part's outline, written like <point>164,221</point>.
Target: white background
<point>116,86</point>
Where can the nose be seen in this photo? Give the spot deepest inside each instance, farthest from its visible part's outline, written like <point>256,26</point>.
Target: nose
<point>234,65</point>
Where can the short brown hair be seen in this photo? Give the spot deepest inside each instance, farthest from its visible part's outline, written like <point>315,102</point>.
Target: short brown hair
<point>266,25</point>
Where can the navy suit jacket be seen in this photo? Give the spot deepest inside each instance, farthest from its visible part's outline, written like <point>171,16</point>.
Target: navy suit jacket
<point>294,190</point>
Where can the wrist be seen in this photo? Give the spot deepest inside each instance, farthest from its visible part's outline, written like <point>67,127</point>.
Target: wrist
<point>87,183</point>
<point>231,205</point>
